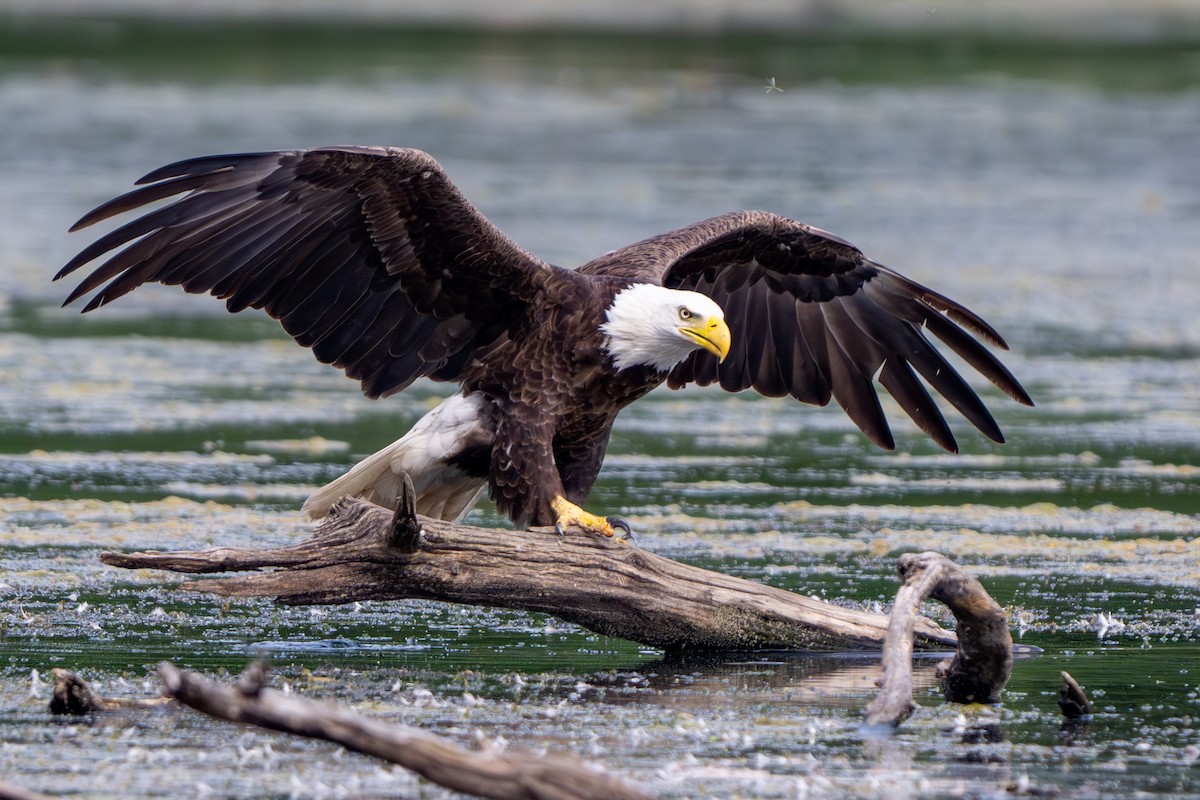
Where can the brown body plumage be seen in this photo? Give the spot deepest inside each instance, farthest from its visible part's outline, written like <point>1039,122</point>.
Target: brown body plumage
<point>375,261</point>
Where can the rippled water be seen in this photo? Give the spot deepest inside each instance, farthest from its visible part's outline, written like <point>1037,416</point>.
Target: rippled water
<point>1064,212</point>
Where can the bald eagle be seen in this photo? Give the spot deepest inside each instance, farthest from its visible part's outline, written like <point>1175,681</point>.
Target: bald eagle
<point>372,258</point>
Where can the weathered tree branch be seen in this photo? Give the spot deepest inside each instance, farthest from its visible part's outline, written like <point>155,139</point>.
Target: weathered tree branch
<point>982,662</point>
<point>501,775</point>
<point>361,552</point>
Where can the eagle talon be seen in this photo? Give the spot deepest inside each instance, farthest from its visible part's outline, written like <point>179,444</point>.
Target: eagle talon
<point>571,515</point>
<point>621,524</point>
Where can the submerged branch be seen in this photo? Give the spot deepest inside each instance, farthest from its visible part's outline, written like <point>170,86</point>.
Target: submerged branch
<point>504,775</point>
<point>982,662</point>
<point>607,587</point>
<point>72,695</point>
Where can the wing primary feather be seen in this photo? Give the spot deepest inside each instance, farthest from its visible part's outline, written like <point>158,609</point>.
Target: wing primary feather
<point>259,163</point>
<point>904,342</point>
<point>978,357</point>
<point>965,317</point>
<point>857,397</point>
<point>706,371</point>
<point>734,372</point>
<point>768,377</point>
<point>898,378</point>
<point>181,211</point>
<point>171,259</point>
<point>210,182</point>
<point>811,326</point>
<point>853,389</point>
<point>949,384</point>
<point>183,239</point>
<point>895,341</point>
<point>136,253</point>
<point>121,286</point>
<point>186,254</point>
<point>129,273</point>
<point>939,302</point>
<point>137,264</point>
<point>896,302</point>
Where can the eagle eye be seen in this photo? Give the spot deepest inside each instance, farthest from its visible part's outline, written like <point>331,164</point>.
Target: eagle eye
<point>685,313</point>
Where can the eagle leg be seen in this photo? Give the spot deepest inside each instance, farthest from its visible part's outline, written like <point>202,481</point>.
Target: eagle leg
<point>568,515</point>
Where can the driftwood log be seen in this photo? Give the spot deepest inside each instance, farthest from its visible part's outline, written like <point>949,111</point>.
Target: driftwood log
<point>502,775</point>
<point>982,662</point>
<point>362,551</point>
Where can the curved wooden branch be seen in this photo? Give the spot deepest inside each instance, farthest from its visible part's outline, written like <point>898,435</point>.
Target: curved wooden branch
<point>982,662</point>
<point>504,775</point>
<point>610,588</point>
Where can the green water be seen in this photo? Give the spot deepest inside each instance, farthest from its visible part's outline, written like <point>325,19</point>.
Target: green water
<point>282,51</point>
<point>1050,186</point>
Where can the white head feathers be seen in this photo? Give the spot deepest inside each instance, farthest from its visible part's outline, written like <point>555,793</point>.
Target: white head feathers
<point>644,325</point>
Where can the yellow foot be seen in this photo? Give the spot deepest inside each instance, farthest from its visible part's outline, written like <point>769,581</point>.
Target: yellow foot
<point>568,514</point>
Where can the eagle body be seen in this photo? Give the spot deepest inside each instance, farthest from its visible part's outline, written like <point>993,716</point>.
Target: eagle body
<point>374,260</point>
<point>551,401</point>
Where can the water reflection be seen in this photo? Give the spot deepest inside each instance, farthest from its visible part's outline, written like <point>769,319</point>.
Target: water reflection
<point>838,680</point>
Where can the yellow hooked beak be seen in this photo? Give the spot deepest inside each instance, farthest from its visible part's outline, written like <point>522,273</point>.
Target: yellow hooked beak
<point>711,334</point>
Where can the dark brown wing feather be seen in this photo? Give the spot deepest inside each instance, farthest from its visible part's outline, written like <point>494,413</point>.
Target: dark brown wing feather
<point>813,318</point>
<point>370,256</point>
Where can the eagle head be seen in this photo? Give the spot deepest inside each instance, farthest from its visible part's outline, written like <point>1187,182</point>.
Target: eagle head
<point>658,327</point>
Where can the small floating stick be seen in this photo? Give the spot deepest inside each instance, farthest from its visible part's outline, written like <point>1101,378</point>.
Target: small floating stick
<point>1072,699</point>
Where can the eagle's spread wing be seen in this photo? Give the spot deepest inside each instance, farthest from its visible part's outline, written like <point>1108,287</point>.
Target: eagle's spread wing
<point>812,317</point>
<point>368,255</point>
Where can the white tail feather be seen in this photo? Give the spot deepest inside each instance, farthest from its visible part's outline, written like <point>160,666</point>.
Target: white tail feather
<point>443,491</point>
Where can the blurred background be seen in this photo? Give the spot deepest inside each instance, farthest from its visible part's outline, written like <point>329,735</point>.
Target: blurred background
<point>1037,161</point>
